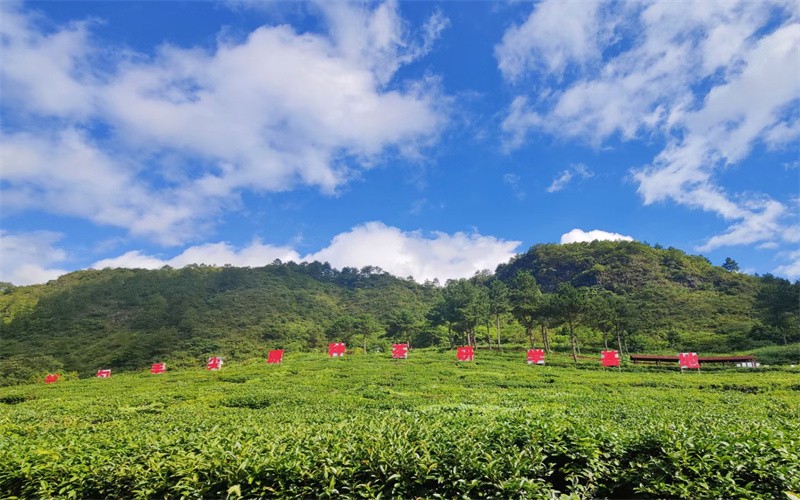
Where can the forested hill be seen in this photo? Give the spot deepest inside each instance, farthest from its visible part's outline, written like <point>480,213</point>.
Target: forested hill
<point>125,318</point>
<point>670,295</point>
<point>625,266</point>
<point>669,289</point>
<point>647,299</point>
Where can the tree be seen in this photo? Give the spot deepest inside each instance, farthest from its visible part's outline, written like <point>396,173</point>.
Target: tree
<point>498,303</point>
<point>482,311</point>
<point>366,325</point>
<point>569,306</point>
<point>460,308</point>
<point>621,316</point>
<point>402,325</point>
<point>342,329</point>
<point>547,318</point>
<point>599,314</point>
<point>526,302</point>
<point>730,265</point>
<point>778,304</point>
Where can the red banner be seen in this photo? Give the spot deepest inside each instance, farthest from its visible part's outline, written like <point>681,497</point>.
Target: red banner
<point>609,358</point>
<point>52,378</point>
<point>104,373</point>
<point>158,368</point>
<point>275,356</point>
<point>535,356</point>
<point>465,353</point>
<point>336,349</point>
<point>399,351</point>
<point>689,360</point>
<point>214,363</point>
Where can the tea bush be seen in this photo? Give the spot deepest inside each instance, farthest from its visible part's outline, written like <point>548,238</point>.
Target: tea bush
<point>367,426</point>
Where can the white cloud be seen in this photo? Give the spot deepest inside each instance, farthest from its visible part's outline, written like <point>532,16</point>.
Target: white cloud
<point>792,269</point>
<point>715,79</point>
<point>212,254</point>
<point>581,236</point>
<point>557,33</point>
<point>755,226</point>
<point>201,125</point>
<point>67,174</point>
<point>566,176</point>
<point>26,258</point>
<point>560,181</point>
<point>401,253</point>
<point>443,256</point>
<point>44,73</point>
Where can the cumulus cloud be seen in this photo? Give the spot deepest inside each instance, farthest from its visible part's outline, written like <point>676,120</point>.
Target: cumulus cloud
<point>581,236</point>
<point>213,254</point>
<point>443,256</point>
<point>438,256</point>
<point>27,258</point>
<point>714,79</point>
<point>198,126</point>
<point>566,176</point>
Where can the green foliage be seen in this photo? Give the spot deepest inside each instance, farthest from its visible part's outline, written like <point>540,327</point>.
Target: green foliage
<point>646,299</point>
<point>778,304</point>
<point>779,355</point>
<point>368,426</point>
<point>661,291</point>
<point>730,265</point>
<point>27,369</point>
<point>124,319</point>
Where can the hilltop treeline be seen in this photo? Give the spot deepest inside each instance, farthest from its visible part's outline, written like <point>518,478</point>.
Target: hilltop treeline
<point>626,295</point>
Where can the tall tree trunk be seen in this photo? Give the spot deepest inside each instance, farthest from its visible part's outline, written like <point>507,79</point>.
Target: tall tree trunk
<point>605,340</point>
<point>574,343</point>
<point>497,317</point>
<point>488,334</point>
<point>619,341</point>
<point>545,339</point>
<point>529,331</point>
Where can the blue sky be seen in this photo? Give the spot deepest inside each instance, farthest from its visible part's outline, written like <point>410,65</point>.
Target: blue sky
<point>430,139</point>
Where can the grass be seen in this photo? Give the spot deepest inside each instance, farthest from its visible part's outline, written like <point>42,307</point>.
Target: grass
<point>369,426</point>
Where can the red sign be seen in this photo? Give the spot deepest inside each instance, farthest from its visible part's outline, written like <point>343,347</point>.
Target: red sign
<point>465,353</point>
<point>535,356</point>
<point>104,373</point>
<point>336,349</point>
<point>399,351</point>
<point>609,358</point>
<point>689,360</point>
<point>158,368</point>
<point>214,363</point>
<point>52,378</point>
<point>275,356</point>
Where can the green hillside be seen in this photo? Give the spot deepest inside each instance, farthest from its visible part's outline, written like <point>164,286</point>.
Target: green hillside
<point>124,318</point>
<point>673,299</point>
<point>565,297</point>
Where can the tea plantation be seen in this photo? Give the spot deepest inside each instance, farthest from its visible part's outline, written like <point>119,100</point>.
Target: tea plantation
<point>368,426</point>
